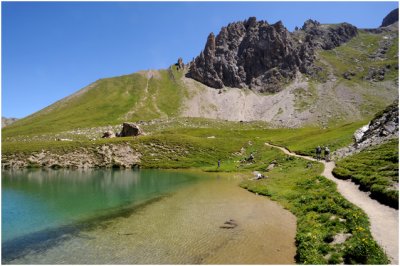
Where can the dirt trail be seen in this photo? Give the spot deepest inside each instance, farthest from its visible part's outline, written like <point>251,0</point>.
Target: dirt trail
<point>384,220</point>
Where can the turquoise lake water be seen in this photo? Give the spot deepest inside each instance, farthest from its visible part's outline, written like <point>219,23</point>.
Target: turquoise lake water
<point>38,200</point>
<point>139,217</point>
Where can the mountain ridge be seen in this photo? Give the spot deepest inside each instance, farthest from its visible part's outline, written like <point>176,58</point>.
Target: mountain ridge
<point>349,82</point>
<point>261,56</point>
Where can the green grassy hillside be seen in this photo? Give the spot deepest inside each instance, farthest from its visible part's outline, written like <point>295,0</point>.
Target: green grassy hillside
<point>359,55</point>
<point>329,103</point>
<point>110,101</point>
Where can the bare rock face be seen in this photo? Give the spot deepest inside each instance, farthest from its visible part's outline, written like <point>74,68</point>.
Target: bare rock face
<point>130,129</point>
<point>383,127</point>
<point>261,56</point>
<point>391,18</point>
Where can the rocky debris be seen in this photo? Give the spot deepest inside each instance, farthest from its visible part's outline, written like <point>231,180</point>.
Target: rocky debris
<point>348,74</point>
<point>7,121</point>
<point>130,129</point>
<point>230,224</point>
<point>384,46</point>
<point>383,127</point>
<point>107,156</point>
<point>108,135</point>
<point>261,56</point>
<point>376,74</point>
<point>391,18</point>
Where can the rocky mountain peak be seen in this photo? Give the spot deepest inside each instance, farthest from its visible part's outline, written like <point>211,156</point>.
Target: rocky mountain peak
<point>262,56</point>
<point>308,24</point>
<point>391,18</point>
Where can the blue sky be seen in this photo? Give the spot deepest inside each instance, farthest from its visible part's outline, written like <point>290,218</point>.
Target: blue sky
<point>52,49</point>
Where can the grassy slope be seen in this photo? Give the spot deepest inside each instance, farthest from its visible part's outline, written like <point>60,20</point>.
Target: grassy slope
<point>375,169</point>
<point>355,53</point>
<point>229,138</point>
<point>106,103</point>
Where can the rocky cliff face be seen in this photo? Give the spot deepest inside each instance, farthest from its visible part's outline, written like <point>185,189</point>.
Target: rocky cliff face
<point>391,18</point>
<point>261,56</point>
<point>383,127</point>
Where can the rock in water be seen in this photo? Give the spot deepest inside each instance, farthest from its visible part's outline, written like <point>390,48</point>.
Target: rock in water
<point>130,129</point>
<point>261,56</point>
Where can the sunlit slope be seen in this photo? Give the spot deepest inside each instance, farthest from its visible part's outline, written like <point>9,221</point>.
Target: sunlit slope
<point>141,96</point>
<point>356,80</point>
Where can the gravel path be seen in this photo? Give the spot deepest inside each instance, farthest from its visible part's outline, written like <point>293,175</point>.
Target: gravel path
<point>384,220</point>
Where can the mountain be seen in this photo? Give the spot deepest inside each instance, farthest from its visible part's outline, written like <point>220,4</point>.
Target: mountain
<point>391,18</point>
<point>260,56</point>
<point>319,75</point>
<point>7,121</point>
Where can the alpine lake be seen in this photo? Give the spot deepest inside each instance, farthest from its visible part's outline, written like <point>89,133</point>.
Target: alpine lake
<point>113,216</point>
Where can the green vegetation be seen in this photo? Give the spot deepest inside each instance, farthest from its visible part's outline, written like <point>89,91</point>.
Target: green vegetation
<point>107,102</point>
<point>354,56</point>
<point>375,169</point>
<point>322,215</point>
<point>305,97</point>
<point>199,143</point>
<point>211,137</point>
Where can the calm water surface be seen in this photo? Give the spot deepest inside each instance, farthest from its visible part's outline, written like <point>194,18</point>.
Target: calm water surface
<point>146,216</point>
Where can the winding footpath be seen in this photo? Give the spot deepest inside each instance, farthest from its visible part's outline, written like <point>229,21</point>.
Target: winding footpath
<point>384,220</point>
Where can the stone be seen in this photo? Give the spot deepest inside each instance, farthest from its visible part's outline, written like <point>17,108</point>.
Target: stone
<point>108,134</point>
<point>130,129</point>
<point>340,238</point>
<point>180,65</point>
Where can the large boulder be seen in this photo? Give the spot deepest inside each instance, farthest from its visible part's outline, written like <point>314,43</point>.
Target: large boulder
<point>130,129</point>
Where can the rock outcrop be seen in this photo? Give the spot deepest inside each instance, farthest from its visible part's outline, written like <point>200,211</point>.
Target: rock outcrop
<point>130,130</point>
<point>104,156</point>
<point>261,56</point>
<point>7,121</point>
<point>383,127</point>
<point>391,18</point>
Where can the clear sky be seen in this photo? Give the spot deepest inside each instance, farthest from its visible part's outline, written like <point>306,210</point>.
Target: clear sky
<point>52,49</point>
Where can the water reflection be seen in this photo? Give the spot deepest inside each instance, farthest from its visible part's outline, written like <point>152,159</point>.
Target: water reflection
<point>34,200</point>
